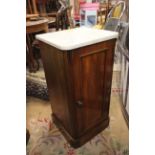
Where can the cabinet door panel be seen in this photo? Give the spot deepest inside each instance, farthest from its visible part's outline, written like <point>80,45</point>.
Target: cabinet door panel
<point>91,86</point>
<point>92,77</point>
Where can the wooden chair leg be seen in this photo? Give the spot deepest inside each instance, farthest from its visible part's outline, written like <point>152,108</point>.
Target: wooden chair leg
<point>31,61</point>
<point>27,136</point>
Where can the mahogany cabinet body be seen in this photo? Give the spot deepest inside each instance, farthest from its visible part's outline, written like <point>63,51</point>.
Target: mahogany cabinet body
<point>79,87</point>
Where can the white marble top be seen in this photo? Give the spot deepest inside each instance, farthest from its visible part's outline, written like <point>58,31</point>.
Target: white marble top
<point>76,38</point>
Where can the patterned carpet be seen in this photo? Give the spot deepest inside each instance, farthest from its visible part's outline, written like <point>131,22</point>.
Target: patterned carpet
<point>36,84</point>
<point>46,139</point>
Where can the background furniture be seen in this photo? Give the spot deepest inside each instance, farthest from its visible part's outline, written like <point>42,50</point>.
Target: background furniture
<point>37,26</point>
<point>40,17</point>
<point>43,9</point>
<point>113,18</point>
<point>123,48</point>
<point>58,12</point>
<point>88,14</point>
<point>103,11</point>
<point>115,15</point>
<point>112,24</point>
<point>29,16</point>
<point>34,27</point>
<point>117,11</point>
<point>63,17</point>
<point>78,72</point>
<point>31,7</point>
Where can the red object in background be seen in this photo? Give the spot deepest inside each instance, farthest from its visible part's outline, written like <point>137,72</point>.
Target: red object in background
<point>76,16</point>
<point>89,6</point>
<point>82,1</point>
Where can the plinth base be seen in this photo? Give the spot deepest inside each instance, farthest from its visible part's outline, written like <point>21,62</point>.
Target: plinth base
<point>77,142</point>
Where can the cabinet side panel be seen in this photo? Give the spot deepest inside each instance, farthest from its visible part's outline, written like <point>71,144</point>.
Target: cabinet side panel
<point>108,76</point>
<point>54,67</point>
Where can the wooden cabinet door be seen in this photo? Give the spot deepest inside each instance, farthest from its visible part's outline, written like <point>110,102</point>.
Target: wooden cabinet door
<point>92,74</point>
